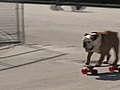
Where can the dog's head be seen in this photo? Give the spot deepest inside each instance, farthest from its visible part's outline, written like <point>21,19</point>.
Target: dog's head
<point>91,41</point>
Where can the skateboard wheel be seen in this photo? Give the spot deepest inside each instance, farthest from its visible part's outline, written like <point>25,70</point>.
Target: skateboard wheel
<point>94,72</point>
<point>112,69</point>
<point>84,71</point>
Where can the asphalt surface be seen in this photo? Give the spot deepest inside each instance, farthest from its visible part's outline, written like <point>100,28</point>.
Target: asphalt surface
<point>53,57</point>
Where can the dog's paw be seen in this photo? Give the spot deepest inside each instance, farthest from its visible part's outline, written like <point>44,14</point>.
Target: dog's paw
<point>105,62</point>
<point>86,63</point>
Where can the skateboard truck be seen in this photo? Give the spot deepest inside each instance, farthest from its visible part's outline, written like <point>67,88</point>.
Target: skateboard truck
<point>89,69</point>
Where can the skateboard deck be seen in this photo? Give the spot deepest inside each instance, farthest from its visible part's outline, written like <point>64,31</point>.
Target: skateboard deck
<point>90,68</point>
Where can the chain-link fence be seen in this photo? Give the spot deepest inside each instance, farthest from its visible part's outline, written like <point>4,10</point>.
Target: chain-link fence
<point>11,23</point>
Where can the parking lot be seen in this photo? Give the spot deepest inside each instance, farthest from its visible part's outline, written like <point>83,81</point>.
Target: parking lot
<point>53,57</point>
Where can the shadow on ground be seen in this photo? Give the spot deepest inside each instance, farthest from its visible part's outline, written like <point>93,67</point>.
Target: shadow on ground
<point>108,76</point>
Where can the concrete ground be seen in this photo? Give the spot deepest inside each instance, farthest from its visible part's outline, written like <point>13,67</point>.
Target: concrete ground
<point>53,57</point>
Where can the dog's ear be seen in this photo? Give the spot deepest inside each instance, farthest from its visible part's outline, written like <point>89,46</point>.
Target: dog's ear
<point>94,37</point>
<point>86,34</point>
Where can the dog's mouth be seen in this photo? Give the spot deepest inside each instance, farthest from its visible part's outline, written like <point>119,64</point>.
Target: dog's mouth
<point>89,49</point>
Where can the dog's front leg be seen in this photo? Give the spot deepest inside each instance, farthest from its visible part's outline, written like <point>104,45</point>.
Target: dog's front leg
<point>88,58</point>
<point>108,58</point>
<point>100,60</point>
<point>116,49</point>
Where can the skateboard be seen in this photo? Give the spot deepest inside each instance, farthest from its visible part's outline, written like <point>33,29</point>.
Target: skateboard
<point>73,8</point>
<point>93,71</point>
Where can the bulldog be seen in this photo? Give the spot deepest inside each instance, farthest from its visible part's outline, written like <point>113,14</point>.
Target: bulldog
<point>101,43</point>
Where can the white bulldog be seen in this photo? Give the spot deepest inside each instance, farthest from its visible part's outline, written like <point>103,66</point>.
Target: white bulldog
<point>102,43</point>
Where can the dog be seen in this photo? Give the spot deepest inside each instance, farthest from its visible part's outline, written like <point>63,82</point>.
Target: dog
<point>101,43</point>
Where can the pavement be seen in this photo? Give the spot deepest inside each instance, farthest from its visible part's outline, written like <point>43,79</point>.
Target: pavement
<point>22,57</point>
<point>52,58</point>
